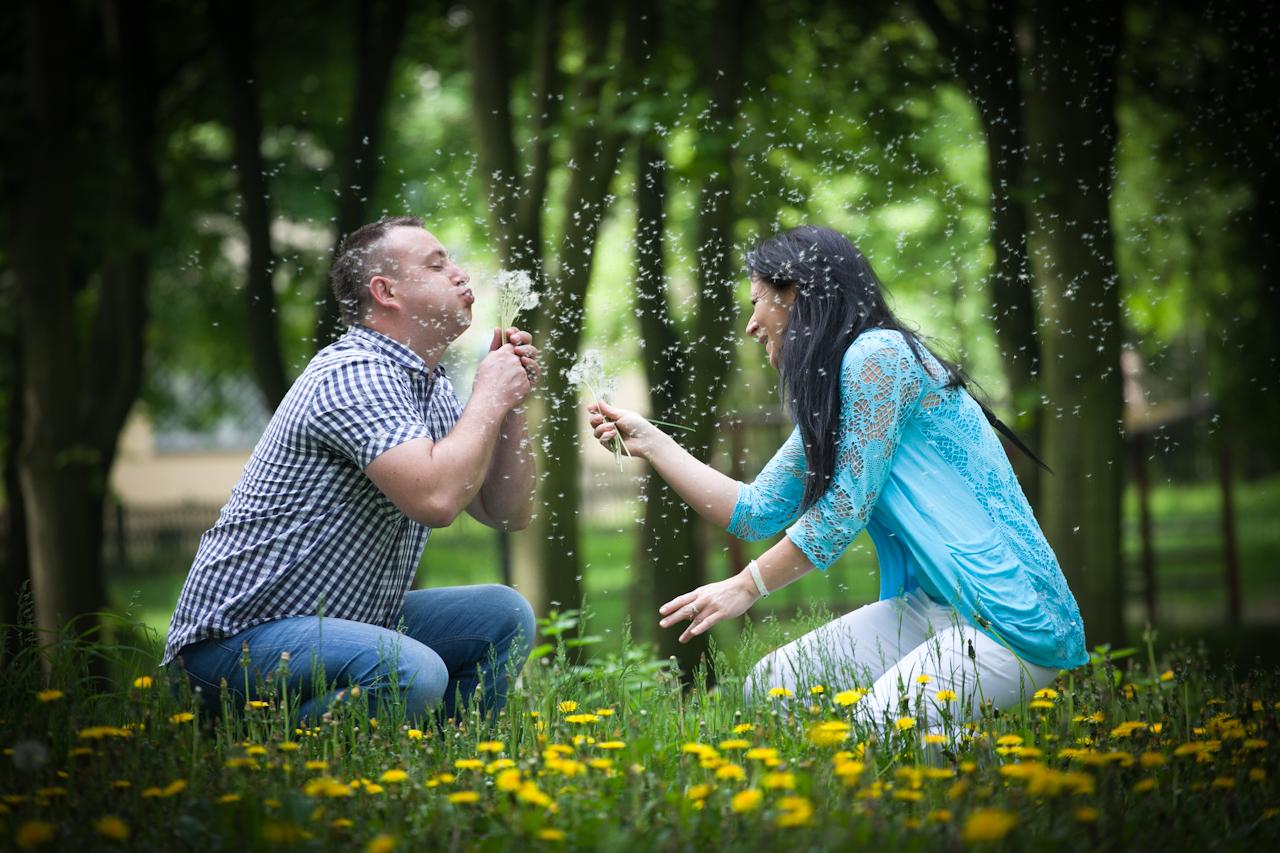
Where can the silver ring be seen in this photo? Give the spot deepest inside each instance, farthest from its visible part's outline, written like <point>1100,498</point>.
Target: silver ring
<point>693,611</point>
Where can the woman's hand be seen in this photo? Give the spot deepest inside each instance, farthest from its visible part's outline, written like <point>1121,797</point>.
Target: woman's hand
<point>709,604</point>
<point>640,436</point>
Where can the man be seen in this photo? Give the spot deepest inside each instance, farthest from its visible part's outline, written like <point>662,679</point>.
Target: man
<point>312,557</point>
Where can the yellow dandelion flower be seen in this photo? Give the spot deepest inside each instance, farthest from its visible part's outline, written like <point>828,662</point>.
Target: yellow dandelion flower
<point>779,779</point>
<point>468,764</point>
<point>611,744</point>
<point>935,739</point>
<point>780,693</point>
<point>945,695</point>
<point>1257,774</point>
<point>490,746</point>
<point>795,811</point>
<point>112,827</point>
<point>1151,759</point>
<point>735,744</point>
<point>568,706</point>
<point>746,801</point>
<point>33,833</point>
<point>1086,814</point>
<point>1144,785</point>
<point>464,797</point>
<point>1223,782</point>
<point>731,771</point>
<point>923,679</point>
<point>830,733</point>
<point>341,823</point>
<point>498,764</point>
<point>1167,675</point>
<point>817,690</point>
<point>762,753</point>
<point>845,698</point>
<point>393,776</point>
<point>532,794</point>
<point>988,825</point>
<point>603,712</point>
<point>905,723</point>
<point>938,816</point>
<point>1040,704</point>
<point>49,696</point>
<point>698,792</point>
<point>508,780</point>
<point>256,705</point>
<point>288,746</point>
<point>415,734</point>
<point>381,843</point>
<point>182,717</point>
<point>143,682</point>
<point>743,728</point>
<point>581,719</point>
<point>316,764</point>
<point>550,833</point>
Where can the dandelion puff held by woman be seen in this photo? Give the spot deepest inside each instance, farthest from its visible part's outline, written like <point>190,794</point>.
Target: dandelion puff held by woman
<point>888,439</point>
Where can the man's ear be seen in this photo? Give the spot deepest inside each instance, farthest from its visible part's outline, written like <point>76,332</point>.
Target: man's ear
<point>382,289</point>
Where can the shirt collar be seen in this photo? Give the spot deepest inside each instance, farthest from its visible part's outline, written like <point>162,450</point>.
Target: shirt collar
<point>393,349</point>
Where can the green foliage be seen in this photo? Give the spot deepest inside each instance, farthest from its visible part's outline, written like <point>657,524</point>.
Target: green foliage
<point>1137,748</point>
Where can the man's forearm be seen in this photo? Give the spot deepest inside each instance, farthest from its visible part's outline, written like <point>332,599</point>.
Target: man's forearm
<point>508,488</point>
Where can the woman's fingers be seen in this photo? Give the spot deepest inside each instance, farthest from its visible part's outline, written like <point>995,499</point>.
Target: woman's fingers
<point>678,602</point>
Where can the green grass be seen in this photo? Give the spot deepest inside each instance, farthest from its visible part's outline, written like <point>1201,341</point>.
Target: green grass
<point>1172,752</point>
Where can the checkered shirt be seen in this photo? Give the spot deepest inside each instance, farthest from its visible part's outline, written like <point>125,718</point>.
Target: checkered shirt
<point>305,531</point>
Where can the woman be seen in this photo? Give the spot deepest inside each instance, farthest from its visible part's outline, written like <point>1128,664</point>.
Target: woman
<point>973,606</point>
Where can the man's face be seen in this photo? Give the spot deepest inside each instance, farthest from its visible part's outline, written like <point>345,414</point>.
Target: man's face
<point>433,291</point>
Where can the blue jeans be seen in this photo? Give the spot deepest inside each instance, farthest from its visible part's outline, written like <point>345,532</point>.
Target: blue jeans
<point>455,639</point>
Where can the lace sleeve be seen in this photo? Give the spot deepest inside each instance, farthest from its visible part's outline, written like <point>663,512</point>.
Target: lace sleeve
<point>772,501</point>
<point>880,384</point>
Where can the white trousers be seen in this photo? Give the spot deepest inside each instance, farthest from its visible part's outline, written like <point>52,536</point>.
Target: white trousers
<point>887,646</point>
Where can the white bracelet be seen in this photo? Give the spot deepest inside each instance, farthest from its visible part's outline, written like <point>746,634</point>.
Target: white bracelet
<point>754,568</point>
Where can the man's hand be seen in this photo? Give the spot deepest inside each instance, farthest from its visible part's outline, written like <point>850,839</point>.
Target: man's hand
<point>502,379</point>
<point>522,342</point>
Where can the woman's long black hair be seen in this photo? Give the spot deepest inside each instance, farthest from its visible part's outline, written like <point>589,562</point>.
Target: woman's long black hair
<point>838,297</point>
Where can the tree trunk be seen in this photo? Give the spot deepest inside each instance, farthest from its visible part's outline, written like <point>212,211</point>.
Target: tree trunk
<point>1072,134</point>
<point>688,378</point>
<point>16,565</point>
<point>984,53</point>
<point>78,388</point>
<point>379,32</point>
<point>233,24</point>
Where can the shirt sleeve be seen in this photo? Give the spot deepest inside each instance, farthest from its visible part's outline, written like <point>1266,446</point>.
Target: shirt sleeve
<point>772,500</point>
<point>880,384</point>
<point>365,407</point>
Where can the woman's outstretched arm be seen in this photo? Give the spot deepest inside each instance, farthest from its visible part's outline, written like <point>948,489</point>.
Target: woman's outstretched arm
<point>711,494</point>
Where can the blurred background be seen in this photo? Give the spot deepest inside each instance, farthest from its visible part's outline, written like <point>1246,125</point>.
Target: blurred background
<point>1076,201</point>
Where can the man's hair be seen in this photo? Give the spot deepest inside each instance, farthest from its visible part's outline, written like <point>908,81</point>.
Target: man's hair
<point>360,257</point>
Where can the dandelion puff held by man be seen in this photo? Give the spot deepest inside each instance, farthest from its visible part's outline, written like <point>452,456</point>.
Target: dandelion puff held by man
<point>888,439</point>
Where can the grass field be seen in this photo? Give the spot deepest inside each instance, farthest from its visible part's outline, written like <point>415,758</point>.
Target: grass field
<point>1161,749</point>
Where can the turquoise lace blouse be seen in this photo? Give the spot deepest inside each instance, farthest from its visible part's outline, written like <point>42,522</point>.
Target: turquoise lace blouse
<point>920,469</point>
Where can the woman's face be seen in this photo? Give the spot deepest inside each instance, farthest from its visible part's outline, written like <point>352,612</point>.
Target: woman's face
<point>770,313</point>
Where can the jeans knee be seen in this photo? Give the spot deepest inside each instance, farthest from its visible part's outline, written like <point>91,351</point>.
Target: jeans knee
<point>423,679</point>
<point>516,616</point>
